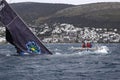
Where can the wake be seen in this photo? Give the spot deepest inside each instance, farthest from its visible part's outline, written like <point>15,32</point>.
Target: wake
<point>100,51</point>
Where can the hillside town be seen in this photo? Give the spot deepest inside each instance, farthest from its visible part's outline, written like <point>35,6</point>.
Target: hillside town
<point>67,33</point>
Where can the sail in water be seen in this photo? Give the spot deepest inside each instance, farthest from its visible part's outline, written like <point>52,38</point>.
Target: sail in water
<point>18,33</point>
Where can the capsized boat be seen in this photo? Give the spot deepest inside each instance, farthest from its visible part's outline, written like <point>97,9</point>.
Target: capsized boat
<point>18,33</point>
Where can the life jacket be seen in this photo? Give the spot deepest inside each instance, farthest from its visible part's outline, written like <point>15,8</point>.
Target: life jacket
<point>83,45</point>
<point>88,45</point>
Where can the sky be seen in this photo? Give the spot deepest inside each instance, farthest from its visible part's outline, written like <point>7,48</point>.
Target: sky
<point>75,2</point>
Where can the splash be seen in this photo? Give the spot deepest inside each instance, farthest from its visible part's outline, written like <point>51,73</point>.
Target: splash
<point>95,50</point>
<point>103,49</point>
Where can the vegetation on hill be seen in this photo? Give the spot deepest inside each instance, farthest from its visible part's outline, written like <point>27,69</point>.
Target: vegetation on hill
<point>90,15</point>
<point>30,11</point>
<point>87,15</point>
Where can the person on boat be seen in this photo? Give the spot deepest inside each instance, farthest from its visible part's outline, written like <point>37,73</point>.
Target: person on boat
<point>83,44</point>
<point>88,45</point>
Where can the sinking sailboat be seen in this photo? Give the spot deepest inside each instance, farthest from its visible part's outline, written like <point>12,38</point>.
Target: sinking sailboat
<point>18,33</point>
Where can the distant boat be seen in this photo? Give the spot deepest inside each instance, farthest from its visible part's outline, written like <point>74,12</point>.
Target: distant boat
<point>18,33</point>
<point>85,47</point>
<point>98,49</point>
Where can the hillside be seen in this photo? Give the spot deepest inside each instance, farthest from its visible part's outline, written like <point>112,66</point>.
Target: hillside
<point>30,11</point>
<point>90,15</point>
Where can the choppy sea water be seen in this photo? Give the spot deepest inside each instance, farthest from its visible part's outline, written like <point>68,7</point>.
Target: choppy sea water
<point>64,65</point>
